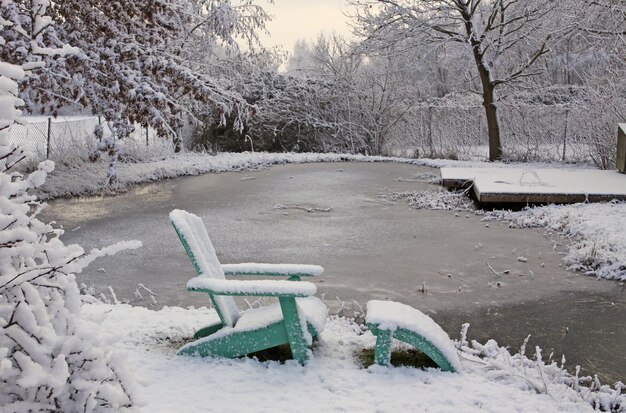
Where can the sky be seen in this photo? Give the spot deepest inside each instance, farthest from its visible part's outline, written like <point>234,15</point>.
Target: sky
<point>303,19</point>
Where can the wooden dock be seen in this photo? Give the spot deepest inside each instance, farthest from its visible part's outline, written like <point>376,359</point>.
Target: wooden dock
<point>517,186</point>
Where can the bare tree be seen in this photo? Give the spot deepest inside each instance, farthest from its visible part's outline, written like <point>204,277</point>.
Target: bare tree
<point>506,39</point>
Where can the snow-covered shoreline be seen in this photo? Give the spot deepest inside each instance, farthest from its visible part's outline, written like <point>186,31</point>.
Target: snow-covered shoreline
<point>597,233</point>
<point>88,178</point>
<point>493,380</point>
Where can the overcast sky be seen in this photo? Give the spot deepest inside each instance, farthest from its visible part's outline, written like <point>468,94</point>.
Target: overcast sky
<point>303,19</point>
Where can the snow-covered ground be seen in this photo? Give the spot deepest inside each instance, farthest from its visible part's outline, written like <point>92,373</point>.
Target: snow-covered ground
<point>492,379</point>
<point>87,178</point>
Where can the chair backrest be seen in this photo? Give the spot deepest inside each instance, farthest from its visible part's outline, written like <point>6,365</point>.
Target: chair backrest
<point>195,239</point>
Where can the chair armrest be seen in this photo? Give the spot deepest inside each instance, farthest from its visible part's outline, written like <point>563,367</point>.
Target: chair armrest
<point>289,270</point>
<point>264,288</point>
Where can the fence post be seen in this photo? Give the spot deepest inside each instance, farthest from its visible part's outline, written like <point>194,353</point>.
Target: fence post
<point>565,133</point>
<point>621,147</point>
<point>100,134</point>
<point>48,140</point>
<point>147,129</point>
<point>430,131</point>
<point>177,139</point>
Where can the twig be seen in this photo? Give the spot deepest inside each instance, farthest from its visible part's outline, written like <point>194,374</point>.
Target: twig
<point>491,268</point>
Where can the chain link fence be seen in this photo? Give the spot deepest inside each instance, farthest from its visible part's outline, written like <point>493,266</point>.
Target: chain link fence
<point>68,138</point>
<point>528,133</point>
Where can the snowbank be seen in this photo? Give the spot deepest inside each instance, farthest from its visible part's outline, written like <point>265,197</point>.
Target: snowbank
<point>332,381</point>
<point>89,178</point>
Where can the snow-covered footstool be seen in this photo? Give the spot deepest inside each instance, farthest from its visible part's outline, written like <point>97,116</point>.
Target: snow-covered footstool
<point>388,320</point>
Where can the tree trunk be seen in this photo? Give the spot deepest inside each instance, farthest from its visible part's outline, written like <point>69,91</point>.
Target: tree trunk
<point>489,97</point>
<point>493,125</point>
<point>491,110</point>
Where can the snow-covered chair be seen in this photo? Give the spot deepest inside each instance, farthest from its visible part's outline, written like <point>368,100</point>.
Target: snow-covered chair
<point>296,319</point>
<point>388,320</point>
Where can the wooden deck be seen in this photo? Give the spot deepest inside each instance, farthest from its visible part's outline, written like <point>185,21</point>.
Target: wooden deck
<point>513,186</point>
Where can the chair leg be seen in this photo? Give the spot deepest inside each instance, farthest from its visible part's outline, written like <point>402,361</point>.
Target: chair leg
<point>382,356</point>
<point>208,330</point>
<point>297,341</point>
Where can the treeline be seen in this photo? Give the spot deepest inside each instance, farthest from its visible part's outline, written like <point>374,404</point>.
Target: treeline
<point>370,95</point>
<point>198,63</point>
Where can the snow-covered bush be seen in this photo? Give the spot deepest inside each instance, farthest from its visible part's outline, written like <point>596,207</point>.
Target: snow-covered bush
<point>429,199</point>
<point>538,374</point>
<point>50,359</point>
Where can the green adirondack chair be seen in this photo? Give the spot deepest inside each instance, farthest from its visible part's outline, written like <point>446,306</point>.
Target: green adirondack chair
<point>297,318</point>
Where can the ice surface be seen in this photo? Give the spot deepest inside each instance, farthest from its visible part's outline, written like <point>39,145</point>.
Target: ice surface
<point>597,232</point>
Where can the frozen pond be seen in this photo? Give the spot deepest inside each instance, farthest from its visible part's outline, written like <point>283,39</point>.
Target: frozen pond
<point>331,214</point>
